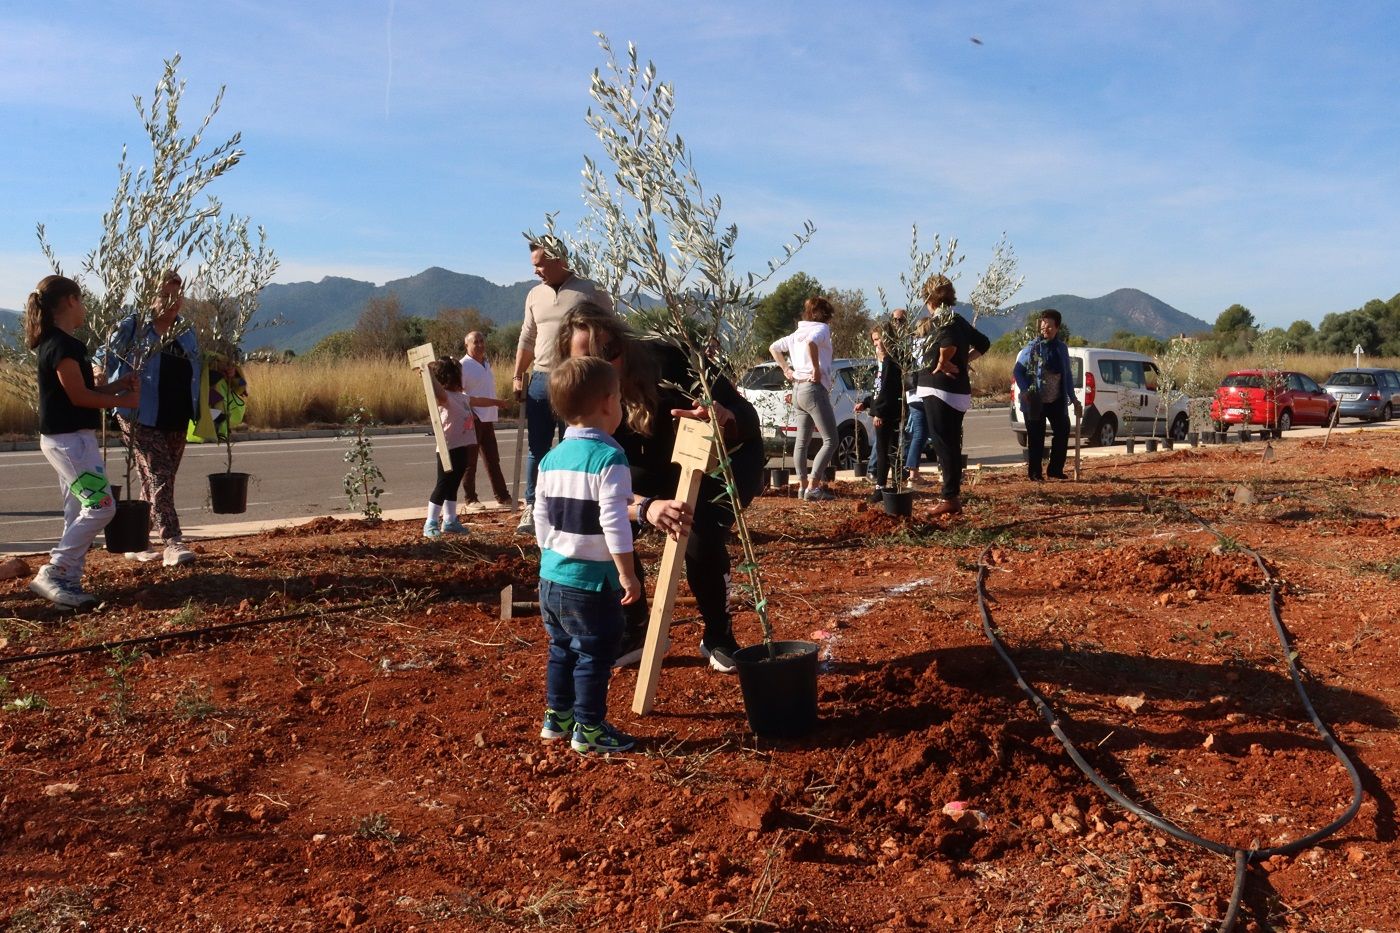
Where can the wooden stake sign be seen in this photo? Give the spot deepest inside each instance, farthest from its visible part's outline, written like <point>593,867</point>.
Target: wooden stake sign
<point>420,357</point>
<point>695,452</point>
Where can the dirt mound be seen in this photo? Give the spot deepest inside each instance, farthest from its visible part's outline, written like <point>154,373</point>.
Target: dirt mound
<point>1157,568</point>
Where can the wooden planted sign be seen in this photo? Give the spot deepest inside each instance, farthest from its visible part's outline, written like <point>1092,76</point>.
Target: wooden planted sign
<point>695,452</point>
<point>419,357</point>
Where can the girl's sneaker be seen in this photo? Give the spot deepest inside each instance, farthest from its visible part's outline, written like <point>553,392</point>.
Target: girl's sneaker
<point>557,725</point>
<point>820,494</point>
<point>454,526</point>
<point>600,738</point>
<point>432,529</point>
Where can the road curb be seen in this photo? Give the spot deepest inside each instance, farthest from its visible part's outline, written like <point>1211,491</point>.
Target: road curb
<point>277,434</point>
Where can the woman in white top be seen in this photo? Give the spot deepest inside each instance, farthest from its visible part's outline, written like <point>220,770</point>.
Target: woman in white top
<point>805,356</point>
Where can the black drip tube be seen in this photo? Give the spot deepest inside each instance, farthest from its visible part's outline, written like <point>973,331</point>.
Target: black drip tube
<point>1243,857</point>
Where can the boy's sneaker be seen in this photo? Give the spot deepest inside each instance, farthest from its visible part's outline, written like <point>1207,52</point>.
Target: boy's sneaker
<point>454,526</point>
<point>557,725</point>
<point>432,529</point>
<point>721,657</point>
<point>143,556</point>
<point>508,504</point>
<point>67,593</point>
<point>601,738</point>
<point>176,554</point>
<point>527,521</point>
<point>475,505</point>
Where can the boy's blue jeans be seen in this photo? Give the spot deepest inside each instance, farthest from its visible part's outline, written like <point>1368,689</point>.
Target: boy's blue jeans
<point>584,630</point>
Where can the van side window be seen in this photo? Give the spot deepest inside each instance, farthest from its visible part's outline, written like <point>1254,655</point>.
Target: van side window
<point>1076,366</point>
<point>1150,375</point>
<point>1130,374</point>
<point>847,377</point>
<point>1108,372</point>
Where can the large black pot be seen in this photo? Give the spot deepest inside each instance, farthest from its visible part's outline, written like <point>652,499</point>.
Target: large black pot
<point>130,529</point>
<point>780,692</point>
<point>862,468</point>
<point>778,478</point>
<point>228,493</point>
<point>898,504</point>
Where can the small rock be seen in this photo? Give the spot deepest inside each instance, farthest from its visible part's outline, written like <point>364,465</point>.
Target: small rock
<point>1067,825</point>
<point>1244,496</point>
<point>13,569</point>
<point>1209,743</point>
<point>1355,854</point>
<point>60,790</point>
<point>756,810</point>
<point>1130,703</point>
<point>319,838</point>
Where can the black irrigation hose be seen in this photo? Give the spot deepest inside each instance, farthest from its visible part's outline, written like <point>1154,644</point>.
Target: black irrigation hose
<point>1243,857</point>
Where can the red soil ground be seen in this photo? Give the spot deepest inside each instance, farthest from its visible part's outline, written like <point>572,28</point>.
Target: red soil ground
<point>370,761</point>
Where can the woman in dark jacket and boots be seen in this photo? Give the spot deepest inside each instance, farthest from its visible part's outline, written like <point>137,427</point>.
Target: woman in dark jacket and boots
<point>884,406</point>
<point>648,371</point>
<point>958,343</point>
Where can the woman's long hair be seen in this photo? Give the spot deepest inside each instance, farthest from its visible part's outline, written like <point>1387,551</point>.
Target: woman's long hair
<point>39,309</point>
<point>610,338</point>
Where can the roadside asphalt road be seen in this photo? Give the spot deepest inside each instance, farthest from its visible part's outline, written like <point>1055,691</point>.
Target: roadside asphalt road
<point>303,478</point>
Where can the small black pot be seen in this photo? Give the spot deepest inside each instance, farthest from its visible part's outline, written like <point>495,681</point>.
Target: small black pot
<point>228,493</point>
<point>1193,438</point>
<point>1152,445</point>
<point>1130,445</point>
<point>899,504</point>
<point>1246,435</point>
<point>778,479</point>
<point>1169,442</point>
<point>780,692</point>
<point>116,491</point>
<point>130,529</point>
<point>1222,437</point>
<point>862,469</point>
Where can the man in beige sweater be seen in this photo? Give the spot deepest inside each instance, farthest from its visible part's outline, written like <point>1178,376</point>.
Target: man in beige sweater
<point>559,292</point>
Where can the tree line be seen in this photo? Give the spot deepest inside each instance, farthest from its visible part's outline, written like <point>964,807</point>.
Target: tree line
<point>383,330</point>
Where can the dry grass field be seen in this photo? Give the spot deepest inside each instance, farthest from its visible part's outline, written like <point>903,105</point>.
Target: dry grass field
<point>286,395</point>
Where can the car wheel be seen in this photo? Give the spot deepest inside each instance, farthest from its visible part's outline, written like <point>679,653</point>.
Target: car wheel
<point>1106,434</point>
<point>847,447</point>
<point>1285,420</point>
<point>1386,412</point>
<point>1180,425</point>
<point>1021,438</point>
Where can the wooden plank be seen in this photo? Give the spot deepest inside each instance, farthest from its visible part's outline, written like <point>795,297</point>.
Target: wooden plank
<point>694,451</point>
<point>419,357</point>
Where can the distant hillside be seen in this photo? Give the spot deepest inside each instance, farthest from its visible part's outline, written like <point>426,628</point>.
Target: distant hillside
<point>311,310</point>
<point>1098,319</point>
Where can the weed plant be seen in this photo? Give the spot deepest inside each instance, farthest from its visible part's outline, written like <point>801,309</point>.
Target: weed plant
<point>121,690</point>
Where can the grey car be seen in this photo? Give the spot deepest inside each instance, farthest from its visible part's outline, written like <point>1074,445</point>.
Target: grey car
<point>1368,393</point>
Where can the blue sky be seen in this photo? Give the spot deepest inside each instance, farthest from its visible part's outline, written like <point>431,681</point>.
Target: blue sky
<point>1206,152</point>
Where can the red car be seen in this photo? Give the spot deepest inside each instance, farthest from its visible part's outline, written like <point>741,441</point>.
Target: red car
<point>1275,398</point>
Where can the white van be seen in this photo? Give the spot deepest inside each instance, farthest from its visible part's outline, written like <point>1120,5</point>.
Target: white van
<point>1119,391</point>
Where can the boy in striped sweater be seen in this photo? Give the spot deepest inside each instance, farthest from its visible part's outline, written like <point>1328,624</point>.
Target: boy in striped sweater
<point>586,568</point>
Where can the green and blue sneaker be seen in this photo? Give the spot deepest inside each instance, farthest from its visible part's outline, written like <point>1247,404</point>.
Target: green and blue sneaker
<point>600,738</point>
<point>557,724</point>
<point>454,526</point>
<point>432,529</point>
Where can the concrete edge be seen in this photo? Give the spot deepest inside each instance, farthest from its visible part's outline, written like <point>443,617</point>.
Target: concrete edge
<point>278,434</point>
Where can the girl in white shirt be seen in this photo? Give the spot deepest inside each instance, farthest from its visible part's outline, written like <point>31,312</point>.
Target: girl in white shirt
<point>805,356</point>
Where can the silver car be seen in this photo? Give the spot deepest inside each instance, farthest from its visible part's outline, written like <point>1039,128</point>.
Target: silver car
<point>771,396</point>
<point>1368,393</point>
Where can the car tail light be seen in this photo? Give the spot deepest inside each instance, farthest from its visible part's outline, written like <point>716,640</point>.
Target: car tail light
<point>1373,397</point>
<point>1088,389</point>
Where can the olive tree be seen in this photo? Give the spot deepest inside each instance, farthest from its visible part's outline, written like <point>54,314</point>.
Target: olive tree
<point>654,238</point>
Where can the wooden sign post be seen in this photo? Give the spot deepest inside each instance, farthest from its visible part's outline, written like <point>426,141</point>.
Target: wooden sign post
<point>420,357</point>
<point>695,452</point>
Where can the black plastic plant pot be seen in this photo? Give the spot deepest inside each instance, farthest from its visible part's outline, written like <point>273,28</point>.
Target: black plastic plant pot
<point>862,468</point>
<point>780,691</point>
<point>1169,442</point>
<point>1152,445</point>
<point>1246,435</point>
<point>1130,445</point>
<point>899,504</point>
<point>116,492</point>
<point>1193,438</point>
<point>130,528</point>
<point>778,478</point>
<point>228,493</point>
<point>1222,437</point>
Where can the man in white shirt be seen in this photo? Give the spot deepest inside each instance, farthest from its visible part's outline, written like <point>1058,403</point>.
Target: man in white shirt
<point>479,383</point>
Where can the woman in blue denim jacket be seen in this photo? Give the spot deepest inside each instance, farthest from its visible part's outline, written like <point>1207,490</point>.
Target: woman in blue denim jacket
<point>1046,383</point>
<point>155,431</point>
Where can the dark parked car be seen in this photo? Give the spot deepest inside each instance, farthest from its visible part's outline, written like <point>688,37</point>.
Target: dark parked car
<point>1275,398</point>
<point>1368,393</point>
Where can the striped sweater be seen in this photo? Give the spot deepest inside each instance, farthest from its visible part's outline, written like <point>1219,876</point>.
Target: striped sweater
<point>581,499</point>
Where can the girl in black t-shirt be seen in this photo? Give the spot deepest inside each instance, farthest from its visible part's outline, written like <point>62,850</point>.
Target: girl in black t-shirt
<point>68,418</point>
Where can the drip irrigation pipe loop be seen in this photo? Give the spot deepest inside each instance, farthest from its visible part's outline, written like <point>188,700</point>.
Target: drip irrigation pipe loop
<point>1243,857</point>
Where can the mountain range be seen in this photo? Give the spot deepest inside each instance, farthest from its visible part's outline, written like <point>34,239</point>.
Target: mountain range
<point>311,310</point>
